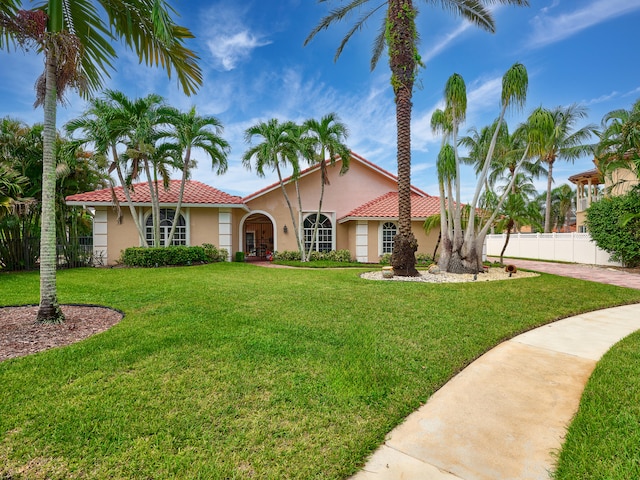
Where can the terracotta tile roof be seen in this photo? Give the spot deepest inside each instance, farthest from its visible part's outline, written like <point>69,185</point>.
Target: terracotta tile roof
<point>386,206</point>
<point>354,156</point>
<point>195,193</point>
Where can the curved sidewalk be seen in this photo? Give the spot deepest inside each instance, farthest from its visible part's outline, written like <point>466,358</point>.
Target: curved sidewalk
<point>506,414</point>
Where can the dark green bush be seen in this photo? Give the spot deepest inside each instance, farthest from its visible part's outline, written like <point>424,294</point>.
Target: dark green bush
<point>162,256</point>
<point>239,256</point>
<point>607,231</point>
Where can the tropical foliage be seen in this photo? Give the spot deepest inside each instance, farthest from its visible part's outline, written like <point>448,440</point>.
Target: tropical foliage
<point>146,135</point>
<point>619,145</point>
<point>285,145</point>
<point>560,140</point>
<point>614,225</point>
<point>75,39</point>
<point>462,247</point>
<point>399,34</point>
<point>21,193</point>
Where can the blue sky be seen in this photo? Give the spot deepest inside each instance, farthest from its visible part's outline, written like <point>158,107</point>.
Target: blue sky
<point>256,68</point>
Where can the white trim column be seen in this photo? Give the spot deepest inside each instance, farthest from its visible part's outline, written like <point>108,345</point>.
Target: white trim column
<point>100,236</point>
<point>362,241</point>
<point>225,238</point>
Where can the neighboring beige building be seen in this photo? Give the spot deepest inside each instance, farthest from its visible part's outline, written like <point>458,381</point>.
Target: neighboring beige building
<point>359,213</point>
<point>592,185</point>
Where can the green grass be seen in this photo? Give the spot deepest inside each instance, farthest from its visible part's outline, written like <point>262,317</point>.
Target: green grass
<point>603,441</point>
<point>236,371</point>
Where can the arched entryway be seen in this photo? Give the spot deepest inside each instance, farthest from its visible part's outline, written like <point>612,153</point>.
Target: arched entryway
<point>257,236</point>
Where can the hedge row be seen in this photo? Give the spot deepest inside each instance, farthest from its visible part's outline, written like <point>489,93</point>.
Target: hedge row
<point>333,255</point>
<point>174,255</point>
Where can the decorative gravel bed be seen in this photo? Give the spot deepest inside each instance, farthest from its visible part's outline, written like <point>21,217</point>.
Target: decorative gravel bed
<point>443,277</point>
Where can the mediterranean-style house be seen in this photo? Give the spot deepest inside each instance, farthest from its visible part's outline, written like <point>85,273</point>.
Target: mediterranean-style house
<point>592,185</point>
<point>359,214</point>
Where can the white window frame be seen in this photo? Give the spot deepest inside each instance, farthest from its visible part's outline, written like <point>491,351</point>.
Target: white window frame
<point>184,213</point>
<point>381,236</point>
<point>331,218</point>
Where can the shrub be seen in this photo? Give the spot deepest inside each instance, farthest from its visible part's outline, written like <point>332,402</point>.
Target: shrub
<point>239,257</point>
<point>333,255</point>
<point>423,259</point>
<point>162,256</point>
<point>287,255</point>
<point>214,254</point>
<point>385,259</point>
<point>607,231</point>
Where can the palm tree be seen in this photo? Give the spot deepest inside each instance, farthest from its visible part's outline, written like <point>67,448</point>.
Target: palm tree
<point>619,145</point>
<point>75,39</point>
<point>560,141</point>
<point>462,248</point>
<point>142,120</point>
<point>562,201</point>
<point>327,136</point>
<point>280,147</point>
<point>399,34</point>
<point>102,126</point>
<point>189,131</point>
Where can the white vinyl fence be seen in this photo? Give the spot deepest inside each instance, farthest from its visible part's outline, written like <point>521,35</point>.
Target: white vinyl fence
<point>564,247</point>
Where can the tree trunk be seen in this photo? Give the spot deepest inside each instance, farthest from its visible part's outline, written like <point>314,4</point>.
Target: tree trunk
<point>127,195</point>
<point>185,172</point>
<point>547,213</point>
<point>401,39</point>
<point>323,173</point>
<point>155,208</point>
<point>506,240</point>
<point>293,218</point>
<point>49,310</point>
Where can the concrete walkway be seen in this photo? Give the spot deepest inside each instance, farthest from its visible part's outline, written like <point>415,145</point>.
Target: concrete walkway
<point>584,272</point>
<point>505,415</point>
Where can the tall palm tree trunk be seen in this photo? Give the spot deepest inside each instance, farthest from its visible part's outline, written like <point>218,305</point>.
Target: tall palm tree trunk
<point>185,172</point>
<point>155,209</point>
<point>127,195</point>
<point>49,310</point>
<point>293,217</point>
<point>323,181</point>
<point>547,213</point>
<point>401,39</point>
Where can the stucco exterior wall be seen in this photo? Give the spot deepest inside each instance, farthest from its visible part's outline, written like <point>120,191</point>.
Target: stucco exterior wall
<point>203,225</point>
<point>620,182</point>
<point>344,193</point>
<point>120,235</point>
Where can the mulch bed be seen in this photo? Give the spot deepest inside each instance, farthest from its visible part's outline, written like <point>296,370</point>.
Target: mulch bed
<point>20,335</point>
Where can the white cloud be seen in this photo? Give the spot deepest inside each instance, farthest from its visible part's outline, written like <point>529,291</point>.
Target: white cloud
<point>445,42</point>
<point>551,29</point>
<point>601,98</point>
<point>232,41</point>
<point>229,50</point>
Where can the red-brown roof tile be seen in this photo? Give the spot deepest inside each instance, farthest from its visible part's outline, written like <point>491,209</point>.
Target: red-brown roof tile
<point>386,206</point>
<point>195,193</point>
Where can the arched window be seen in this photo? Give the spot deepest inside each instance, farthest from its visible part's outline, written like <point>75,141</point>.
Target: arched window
<point>324,237</point>
<point>166,221</point>
<point>389,231</point>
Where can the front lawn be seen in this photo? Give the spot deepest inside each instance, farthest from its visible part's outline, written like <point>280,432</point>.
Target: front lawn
<point>237,371</point>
